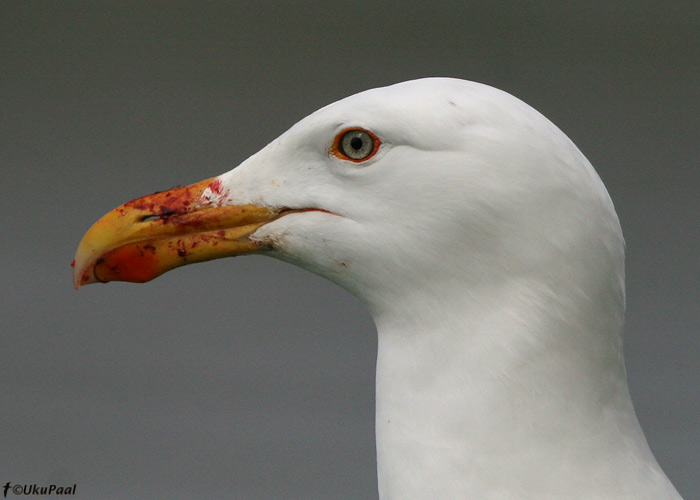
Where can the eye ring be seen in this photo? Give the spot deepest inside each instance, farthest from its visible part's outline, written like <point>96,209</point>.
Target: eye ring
<point>355,145</point>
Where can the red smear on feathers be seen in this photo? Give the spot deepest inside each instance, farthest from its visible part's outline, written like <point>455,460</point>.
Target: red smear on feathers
<point>216,187</point>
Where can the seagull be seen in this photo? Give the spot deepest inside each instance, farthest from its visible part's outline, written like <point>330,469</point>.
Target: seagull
<point>490,256</point>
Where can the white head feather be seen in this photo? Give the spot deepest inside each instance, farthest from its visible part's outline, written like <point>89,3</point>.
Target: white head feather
<point>491,257</point>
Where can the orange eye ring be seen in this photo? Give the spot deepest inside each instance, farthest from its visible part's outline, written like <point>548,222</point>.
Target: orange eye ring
<point>355,145</point>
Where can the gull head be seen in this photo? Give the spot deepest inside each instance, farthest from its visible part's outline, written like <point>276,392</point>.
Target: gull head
<point>490,255</point>
<point>400,192</point>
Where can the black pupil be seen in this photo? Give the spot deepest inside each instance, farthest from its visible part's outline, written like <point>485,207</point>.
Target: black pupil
<point>356,143</point>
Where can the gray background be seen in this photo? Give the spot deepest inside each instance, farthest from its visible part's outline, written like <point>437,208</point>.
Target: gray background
<point>249,378</point>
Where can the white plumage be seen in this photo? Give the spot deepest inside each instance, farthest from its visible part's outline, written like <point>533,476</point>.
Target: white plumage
<point>491,258</point>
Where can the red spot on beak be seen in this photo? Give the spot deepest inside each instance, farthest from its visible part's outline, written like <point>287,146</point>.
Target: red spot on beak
<point>72,264</point>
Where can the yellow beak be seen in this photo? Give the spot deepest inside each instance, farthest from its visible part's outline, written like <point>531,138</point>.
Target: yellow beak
<point>149,236</point>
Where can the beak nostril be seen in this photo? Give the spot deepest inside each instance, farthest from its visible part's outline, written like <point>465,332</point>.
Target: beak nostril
<point>165,215</point>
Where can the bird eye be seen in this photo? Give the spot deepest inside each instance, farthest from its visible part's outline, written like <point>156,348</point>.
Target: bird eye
<point>355,145</point>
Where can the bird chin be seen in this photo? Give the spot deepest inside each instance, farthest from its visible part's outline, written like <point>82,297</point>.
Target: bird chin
<point>282,233</point>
